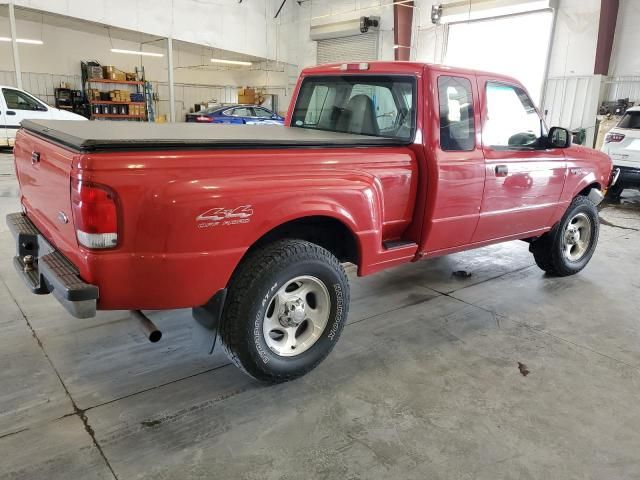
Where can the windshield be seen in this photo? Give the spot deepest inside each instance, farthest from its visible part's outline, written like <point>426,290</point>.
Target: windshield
<point>382,106</point>
<point>630,120</point>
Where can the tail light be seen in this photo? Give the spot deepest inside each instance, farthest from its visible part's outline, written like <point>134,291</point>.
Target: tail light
<point>95,214</point>
<point>613,137</point>
<point>203,118</point>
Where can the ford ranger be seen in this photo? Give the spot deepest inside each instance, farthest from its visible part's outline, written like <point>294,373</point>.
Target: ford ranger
<point>378,164</point>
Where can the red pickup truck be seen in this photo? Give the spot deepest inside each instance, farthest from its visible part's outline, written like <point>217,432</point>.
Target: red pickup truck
<point>379,164</point>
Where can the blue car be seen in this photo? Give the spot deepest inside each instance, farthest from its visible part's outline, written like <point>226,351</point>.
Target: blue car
<point>236,115</point>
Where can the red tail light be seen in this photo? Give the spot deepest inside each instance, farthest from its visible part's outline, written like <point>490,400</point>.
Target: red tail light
<point>613,137</point>
<point>95,214</point>
<point>203,118</point>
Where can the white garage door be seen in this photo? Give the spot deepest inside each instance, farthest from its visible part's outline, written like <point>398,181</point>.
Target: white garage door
<point>361,48</point>
<point>516,45</point>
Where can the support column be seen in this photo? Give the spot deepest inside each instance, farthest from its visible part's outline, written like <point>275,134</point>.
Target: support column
<point>172,97</point>
<point>14,44</point>
<point>402,20</point>
<point>606,30</point>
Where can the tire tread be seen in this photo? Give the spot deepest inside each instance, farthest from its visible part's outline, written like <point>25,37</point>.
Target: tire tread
<point>234,332</point>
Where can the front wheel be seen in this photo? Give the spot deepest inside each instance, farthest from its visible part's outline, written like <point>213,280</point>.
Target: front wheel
<point>567,248</point>
<point>285,309</point>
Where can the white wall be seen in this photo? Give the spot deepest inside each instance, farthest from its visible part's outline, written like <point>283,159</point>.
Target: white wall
<point>575,38</point>
<point>64,48</point>
<point>246,27</point>
<point>625,59</point>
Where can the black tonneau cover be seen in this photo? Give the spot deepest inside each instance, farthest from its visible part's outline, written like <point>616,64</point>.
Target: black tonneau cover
<point>94,136</point>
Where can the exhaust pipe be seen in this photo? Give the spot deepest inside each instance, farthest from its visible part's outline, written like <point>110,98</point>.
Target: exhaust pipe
<point>149,328</point>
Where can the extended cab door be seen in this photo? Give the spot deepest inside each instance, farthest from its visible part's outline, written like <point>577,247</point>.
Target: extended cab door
<point>524,179</point>
<point>456,174</point>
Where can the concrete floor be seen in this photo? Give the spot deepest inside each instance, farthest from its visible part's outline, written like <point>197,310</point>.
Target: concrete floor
<point>424,383</point>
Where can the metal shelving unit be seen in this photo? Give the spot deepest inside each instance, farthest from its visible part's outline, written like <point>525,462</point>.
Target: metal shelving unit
<point>139,89</point>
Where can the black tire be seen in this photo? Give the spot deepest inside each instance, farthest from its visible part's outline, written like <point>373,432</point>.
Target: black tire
<point>252,286</point>
<point>549,250</point>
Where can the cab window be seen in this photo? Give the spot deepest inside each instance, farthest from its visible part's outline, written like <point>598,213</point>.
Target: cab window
<point>457,125</point>
<point>382,106</point>
<point>17,100</point>
<point>262,113</point>
<point>242,112</point>
<point>512,120</point>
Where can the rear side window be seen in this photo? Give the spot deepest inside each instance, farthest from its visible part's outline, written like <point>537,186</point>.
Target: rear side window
<point>512,120</point>
<point>382,106</point>
<point>457,125</point>
<point>630,120</point>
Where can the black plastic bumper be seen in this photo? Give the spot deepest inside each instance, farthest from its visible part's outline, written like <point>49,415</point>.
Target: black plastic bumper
<point>45,270</point>
<point>629,177</point>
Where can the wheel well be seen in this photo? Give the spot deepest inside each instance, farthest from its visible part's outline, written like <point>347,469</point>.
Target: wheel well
<point>327,232</point>
<point>585,191</point>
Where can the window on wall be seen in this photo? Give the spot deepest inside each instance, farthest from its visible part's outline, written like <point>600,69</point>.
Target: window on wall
<point>512,120</point>
<point>457,125</point>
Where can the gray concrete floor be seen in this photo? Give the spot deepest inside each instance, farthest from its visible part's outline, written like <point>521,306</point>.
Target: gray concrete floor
<point>424,382</point>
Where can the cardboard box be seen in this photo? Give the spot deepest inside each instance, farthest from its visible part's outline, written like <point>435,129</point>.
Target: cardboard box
<point>247,99</point>
<point>94,72</point>
<point>246,91</point>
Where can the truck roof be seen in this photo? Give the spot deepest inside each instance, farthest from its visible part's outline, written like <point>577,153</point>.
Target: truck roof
<point>106,135</point>
<point>397,67</point>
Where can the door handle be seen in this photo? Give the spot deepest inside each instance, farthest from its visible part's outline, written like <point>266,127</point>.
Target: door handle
<point>10,112</point>
<point>502,170</point>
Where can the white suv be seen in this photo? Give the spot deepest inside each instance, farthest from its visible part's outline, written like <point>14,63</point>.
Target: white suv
<point>622,144</point>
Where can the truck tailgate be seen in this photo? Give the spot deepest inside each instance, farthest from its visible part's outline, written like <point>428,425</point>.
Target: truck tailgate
<point>43,171</point>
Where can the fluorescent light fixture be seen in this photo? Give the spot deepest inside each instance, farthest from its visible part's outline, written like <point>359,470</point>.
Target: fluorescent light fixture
<point>22,40</point>
<point>136,52</point>
<point>231,62</point>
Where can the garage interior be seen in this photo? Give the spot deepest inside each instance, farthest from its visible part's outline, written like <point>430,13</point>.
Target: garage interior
<point>470,366</point>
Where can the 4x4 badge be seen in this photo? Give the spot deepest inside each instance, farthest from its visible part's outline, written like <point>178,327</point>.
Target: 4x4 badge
<point>224,216</point>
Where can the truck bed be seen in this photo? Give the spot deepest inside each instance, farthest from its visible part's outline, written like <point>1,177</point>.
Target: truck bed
<point>112,135</point>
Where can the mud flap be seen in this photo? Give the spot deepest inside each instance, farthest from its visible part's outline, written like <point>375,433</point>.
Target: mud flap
<point>207,319</point>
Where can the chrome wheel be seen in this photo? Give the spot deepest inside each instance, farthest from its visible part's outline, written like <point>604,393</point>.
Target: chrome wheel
<point>296,316</point>
<point>577,237</point>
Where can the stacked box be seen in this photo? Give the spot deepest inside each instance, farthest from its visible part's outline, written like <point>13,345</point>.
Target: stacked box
<point>119,96</point>
<point>246,95</point>
<point>94,72</point>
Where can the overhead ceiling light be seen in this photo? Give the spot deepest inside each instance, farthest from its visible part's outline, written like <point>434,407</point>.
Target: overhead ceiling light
<point>231,62</point>
<point>22,40</point>
<point>136,52</point>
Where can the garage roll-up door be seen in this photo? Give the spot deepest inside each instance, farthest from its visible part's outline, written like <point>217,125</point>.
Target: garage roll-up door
<point>363,48</point>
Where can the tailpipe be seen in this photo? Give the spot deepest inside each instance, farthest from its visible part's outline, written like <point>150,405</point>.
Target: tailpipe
<point>149,328</point>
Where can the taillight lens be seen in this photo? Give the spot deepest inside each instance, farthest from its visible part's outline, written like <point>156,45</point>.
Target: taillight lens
<point>202,118</point>
<point>95,214</point>
<point>613,137</point>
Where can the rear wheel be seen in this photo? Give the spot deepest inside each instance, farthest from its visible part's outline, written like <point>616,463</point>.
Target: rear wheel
<point>567,248</point>
<point>286,307</point>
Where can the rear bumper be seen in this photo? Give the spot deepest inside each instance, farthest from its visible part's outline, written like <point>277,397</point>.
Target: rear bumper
<point>45,270</point>
<point>628,177</point>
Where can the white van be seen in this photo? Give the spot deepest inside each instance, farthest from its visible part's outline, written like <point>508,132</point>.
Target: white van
<point>17,105</point>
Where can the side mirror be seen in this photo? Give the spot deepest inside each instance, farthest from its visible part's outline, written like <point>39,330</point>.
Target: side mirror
<point>559,137</point>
